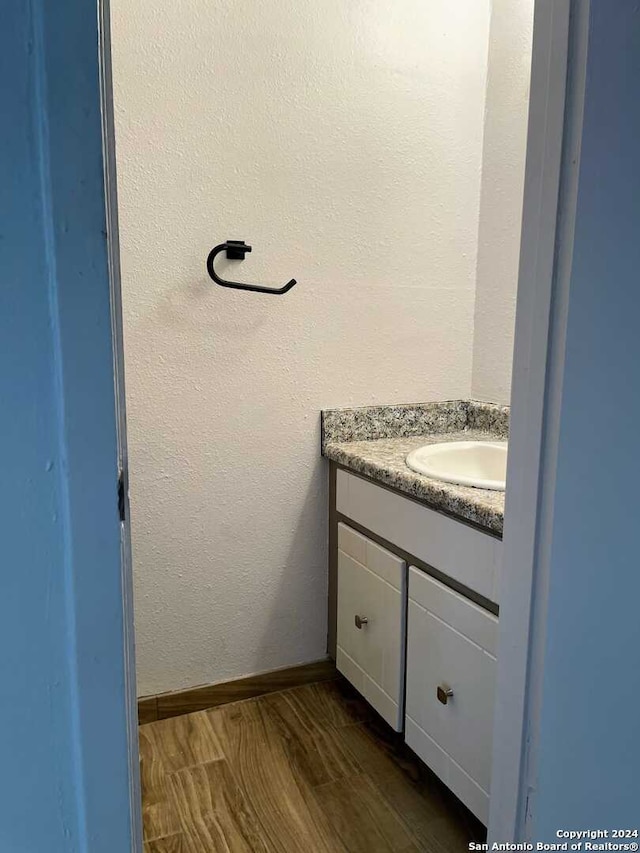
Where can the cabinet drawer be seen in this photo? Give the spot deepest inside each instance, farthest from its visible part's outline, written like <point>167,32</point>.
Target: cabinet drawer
<point>451,645</point>
<point>458,550</point>
<point>372,587</point>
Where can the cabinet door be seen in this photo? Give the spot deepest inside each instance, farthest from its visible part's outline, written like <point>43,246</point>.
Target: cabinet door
<point>451,649</point>
<point>371,622</point>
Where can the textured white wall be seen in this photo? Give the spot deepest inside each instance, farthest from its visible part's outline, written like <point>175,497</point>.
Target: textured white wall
<point>343,140</point>
<point>504,150</point>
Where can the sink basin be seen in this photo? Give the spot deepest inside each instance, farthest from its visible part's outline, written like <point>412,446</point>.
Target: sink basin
<point>482,464</point>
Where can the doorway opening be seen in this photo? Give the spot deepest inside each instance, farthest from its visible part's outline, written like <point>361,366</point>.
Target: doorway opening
<point>375,154</point>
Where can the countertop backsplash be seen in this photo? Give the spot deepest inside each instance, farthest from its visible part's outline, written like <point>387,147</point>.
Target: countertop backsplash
<point>409,419</point>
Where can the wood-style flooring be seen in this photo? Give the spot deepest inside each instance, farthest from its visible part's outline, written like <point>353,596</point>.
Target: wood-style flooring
<point>310,769</point>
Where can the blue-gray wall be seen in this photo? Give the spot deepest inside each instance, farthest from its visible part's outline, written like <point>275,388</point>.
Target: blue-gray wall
<point>63,749</point>
<point>589,758</point>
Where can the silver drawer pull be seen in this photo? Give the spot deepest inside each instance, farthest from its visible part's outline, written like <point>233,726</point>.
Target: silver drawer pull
<point>360,621</point>
<point>444,693</point>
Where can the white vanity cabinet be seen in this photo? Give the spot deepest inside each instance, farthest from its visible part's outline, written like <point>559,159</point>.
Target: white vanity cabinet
<point>463,553</point>
<point>420,651</point>
<point>372,589</point>
<point>451,671</point>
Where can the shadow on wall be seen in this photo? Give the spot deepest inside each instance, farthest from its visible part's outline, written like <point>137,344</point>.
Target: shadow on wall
<point>230,567</point>
<point>281,623</point>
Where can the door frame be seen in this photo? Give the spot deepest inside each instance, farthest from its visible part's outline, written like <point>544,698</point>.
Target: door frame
<point>115,287</point>
<point>560,38</point>
<point>560,44</point>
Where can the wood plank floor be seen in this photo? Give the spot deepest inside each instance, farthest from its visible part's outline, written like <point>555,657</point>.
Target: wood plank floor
<point>310,769</point>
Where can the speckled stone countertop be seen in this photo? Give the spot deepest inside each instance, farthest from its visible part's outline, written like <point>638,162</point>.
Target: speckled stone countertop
<point>375,441</point>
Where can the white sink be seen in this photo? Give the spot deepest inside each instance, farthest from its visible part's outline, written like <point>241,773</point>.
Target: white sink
<point>482,464</point>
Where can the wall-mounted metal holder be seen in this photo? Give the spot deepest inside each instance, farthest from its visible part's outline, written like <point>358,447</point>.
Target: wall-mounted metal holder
<point>236,250</point>
<point>444,693</point>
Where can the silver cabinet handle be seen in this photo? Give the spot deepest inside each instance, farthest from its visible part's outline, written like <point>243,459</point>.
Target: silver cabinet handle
<point>444,693</point>
<point>360,621</point>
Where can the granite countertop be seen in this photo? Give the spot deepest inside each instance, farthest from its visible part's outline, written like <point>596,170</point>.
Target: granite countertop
<point>374,441</point>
